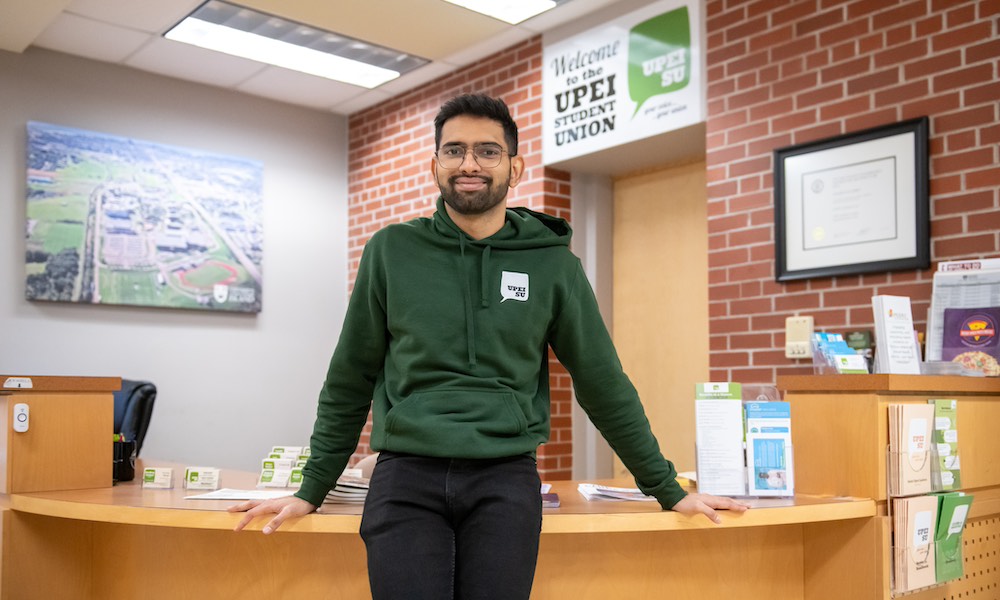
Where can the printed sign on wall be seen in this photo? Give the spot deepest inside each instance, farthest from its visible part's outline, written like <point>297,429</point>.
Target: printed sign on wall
<point>634,77</point>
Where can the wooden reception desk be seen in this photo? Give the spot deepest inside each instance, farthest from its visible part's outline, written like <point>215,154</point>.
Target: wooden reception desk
<point>66,532</point>
<point>124,541</point>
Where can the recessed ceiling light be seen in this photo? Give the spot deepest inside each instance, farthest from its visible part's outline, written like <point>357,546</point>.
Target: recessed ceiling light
<point>511,11</point>
<point>246,33</point>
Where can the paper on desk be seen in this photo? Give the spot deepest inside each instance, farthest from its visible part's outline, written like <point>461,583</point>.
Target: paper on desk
<point>231,494</point>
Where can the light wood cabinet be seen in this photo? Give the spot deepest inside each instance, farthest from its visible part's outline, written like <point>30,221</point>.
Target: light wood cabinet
<point>840,433</point>
<point>68,442</point>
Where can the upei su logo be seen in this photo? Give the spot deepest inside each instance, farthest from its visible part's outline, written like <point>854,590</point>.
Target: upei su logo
<point>513,286</point>
<point>978,330</point>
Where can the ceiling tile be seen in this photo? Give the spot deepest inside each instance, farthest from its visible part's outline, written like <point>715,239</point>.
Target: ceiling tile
<point>193,63</point>
<point>417,77</point>
<point>299,88</point>
<point>153,16</point>
<point>91,39</point>
<point>480,50</point>
<point>366,100</point>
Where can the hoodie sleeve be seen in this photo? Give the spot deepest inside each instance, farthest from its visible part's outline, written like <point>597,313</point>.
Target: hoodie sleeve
<point>583,345</point>
<point>346,395</point>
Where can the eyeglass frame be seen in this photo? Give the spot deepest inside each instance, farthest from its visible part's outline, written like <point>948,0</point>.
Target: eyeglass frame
<point>474,156</point>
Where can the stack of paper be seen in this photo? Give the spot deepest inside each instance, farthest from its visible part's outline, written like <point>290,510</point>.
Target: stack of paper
<point>896,349</point>
<point>593,491</point>
<point>769,449</point>
<point>909,448</point>
<point>349,489</point>
<point>914,523</point>
<point>947,471</point>
<point>953,509</point>
<point>960,284</point>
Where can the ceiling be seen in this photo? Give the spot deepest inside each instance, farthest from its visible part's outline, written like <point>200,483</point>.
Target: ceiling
<point>129,32</point>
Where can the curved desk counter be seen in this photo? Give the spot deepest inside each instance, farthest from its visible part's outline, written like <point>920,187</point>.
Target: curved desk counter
<point>125,541</point>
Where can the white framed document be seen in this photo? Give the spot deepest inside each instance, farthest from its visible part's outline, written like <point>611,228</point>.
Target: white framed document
<point>855,203</point>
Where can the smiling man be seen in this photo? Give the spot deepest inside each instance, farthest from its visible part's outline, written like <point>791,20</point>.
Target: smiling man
<point>446,340</point>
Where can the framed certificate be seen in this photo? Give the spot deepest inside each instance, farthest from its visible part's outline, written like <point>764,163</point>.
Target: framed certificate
<point>855,203</point>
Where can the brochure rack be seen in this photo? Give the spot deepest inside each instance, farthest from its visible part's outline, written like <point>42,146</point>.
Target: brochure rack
<point>841,438</point>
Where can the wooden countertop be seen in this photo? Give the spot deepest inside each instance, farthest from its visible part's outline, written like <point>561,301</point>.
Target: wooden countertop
<point>129,503</point>
<point>838,384</point>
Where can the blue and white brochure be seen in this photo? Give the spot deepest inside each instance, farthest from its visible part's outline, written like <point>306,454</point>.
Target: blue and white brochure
<point>769,465</point>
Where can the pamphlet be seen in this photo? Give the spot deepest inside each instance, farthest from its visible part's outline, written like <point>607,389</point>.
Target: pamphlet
<point>896,349</point>
<point>910,454</point>
<point>769,449</point>
<point>947,471</point>
<point>719,439</point>
<point>953,509</point>
<point>914,525</point>
<point>970,337</point>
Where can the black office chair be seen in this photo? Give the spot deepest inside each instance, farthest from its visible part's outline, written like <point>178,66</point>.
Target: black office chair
<point>133,410</point>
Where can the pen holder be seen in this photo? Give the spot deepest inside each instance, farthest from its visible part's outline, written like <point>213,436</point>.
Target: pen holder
<point>124,461</point>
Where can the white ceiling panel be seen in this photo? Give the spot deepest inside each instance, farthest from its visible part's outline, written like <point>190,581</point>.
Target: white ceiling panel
<point>183,61</point>
<point>299,88</point>
<point>417,77</point>
<point>152,16</point>
<point>91,39</point>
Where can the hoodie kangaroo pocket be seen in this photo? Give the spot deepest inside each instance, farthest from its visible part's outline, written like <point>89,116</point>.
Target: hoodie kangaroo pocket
<point>457,416</point>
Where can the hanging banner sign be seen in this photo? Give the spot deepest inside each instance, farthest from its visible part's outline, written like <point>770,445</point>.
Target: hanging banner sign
<point>634,77</point>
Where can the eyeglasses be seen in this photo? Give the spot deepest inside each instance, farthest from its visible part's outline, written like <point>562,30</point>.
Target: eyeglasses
<point>451,156</point>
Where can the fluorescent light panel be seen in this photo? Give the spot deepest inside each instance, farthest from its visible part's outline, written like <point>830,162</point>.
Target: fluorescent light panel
<point>511,11</point>
<point>239,31</point>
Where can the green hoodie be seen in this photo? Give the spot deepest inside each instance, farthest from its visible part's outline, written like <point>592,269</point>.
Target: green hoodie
<point>446,341</point>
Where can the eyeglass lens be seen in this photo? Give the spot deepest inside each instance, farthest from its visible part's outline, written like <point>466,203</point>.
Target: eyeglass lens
<point>486,155</point>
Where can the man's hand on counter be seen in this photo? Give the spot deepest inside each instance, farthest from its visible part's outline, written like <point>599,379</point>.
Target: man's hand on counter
<point>706,504</point>
<point>282,508</point>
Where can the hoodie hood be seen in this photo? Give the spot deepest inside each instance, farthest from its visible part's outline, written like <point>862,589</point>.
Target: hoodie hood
<point>523,229</point>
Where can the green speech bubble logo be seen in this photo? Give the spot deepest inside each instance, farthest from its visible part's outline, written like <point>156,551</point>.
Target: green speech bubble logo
<point>659,56</point>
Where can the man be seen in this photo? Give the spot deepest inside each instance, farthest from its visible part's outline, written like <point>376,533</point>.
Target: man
<point>446,339</point>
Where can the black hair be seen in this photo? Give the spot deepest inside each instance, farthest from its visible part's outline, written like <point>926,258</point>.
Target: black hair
<point>478,105</point>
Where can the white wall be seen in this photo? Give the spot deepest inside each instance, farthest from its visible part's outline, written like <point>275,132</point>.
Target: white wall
<point>230,385</point>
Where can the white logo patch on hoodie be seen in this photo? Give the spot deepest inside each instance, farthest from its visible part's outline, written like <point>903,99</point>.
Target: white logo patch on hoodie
<point>513,286</point>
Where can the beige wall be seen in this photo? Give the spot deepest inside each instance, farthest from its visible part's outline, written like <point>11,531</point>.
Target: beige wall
<point>660,315</point>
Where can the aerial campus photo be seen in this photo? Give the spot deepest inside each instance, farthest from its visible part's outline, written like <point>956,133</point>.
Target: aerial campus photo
<point>116,220</point>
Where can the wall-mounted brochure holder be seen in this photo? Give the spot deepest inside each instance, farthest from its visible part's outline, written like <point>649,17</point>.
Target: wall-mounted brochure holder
<point>914,568</point>
<point>912,473</point>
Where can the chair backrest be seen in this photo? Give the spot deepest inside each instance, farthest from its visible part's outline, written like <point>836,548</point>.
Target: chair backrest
<point>134,409</point>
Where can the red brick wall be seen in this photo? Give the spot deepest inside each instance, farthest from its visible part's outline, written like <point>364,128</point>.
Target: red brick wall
<point>783,73</point>
<point>390,182</point>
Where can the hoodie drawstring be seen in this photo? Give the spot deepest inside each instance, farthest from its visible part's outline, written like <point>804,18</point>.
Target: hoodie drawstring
<point>484,298</point>
<point>484,269</point>
<point>470,323</point>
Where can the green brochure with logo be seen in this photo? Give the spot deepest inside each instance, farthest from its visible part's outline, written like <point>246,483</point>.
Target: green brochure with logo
<point>947,472</point>
<point>953,509</point>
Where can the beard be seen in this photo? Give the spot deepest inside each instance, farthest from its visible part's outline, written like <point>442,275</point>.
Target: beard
<point>474,203</point>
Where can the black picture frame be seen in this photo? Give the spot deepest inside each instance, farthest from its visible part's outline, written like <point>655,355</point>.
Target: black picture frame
<point>854,203</point>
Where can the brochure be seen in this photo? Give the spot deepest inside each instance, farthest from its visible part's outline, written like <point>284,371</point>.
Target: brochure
<point>970,338</point>
<point>719,439</point>
<point>953,509</point>
<point>896,349</point>
<point>947,472</point>
<point>909,444</point>
<point>915,520</point>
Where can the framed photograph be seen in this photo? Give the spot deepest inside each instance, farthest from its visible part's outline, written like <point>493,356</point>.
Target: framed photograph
<point>855,203</point>
<point>125,221</point>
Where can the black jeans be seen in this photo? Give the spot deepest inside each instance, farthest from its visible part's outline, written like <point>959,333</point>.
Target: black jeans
<point>440,529</point>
